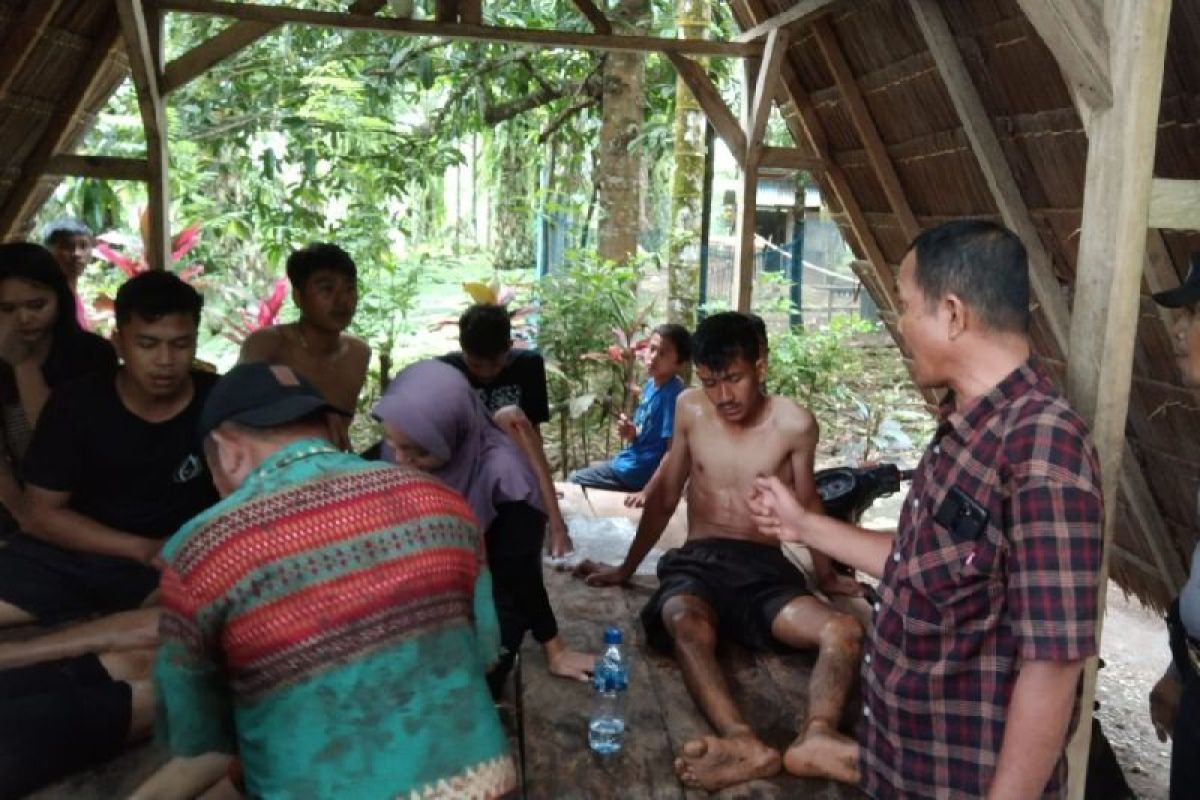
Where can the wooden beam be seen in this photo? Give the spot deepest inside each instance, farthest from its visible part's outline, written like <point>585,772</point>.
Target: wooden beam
<point>236,37</point>
<point>279,15</point>
<point>790,158</point>
<point>710,100</point>
<point>1112,246</point>
<point>22,38</point>
<point>109,168</point>
<point>1074,32</point>
<point>21,194</point>
<point>743,257</point>
<point>136,33</point>
<point>865,126</point>
<point>764,88</point>
<point>803,10</point>
<point>994,165</point>
<point>594,15</point>
<point>811,131</point>
<point>1175,204</point>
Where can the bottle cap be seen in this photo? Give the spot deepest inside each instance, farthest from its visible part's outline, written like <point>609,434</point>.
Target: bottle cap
<point>612,635</point>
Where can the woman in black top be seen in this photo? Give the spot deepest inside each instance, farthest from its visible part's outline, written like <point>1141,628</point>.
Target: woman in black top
<point>41,346</point>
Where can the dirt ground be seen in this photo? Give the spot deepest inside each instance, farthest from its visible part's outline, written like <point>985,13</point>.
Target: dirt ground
<point>1134,649</point>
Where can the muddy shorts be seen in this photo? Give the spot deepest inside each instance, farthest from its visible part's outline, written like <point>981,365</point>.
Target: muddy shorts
<point>747,584</point>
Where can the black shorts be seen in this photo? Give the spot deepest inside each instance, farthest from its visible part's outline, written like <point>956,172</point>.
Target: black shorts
<point>747,584</point>
<point>58,717</point>
<point>57,585</point>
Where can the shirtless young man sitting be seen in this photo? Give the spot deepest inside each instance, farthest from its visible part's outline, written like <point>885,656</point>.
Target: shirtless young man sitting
<point>325,289</point>
<point>728,580</point>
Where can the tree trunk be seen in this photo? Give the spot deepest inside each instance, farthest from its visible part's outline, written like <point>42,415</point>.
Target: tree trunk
<point>687,185</point>
<point>515,189</point>
<point>620,171</point>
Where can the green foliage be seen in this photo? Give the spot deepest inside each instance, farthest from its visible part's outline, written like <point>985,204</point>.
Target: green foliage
<point>580,309</point>
<point>814,366</point>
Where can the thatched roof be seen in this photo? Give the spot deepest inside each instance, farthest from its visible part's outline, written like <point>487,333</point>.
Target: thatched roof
<point>59,62</point>
<point>1046,146</point>
<point>57,67</point>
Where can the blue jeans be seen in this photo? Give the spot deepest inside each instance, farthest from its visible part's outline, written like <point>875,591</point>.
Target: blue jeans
<point>601,476</point>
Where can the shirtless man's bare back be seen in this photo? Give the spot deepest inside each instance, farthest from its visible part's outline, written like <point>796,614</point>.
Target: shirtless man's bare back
<point>729,580</point>
<point>325,289</point>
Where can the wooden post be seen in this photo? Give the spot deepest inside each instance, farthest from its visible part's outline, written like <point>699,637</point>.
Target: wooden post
<point>758,92</point>
<point>1112,244</point>
<point>142,66</point>
<point>743,258</point>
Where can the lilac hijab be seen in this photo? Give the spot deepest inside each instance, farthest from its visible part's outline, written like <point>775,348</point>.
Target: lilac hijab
<point>433,405</point>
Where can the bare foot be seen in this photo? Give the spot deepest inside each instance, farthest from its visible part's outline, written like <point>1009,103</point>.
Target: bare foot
<point>571,664</point>
<point>822,752</point>
<point>714,762</point>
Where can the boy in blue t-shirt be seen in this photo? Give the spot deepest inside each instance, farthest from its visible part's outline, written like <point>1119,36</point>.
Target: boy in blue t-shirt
<point>649,432</point>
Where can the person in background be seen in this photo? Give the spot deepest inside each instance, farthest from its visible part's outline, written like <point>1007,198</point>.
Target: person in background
<point>649,433</point>
<point>325,288</point>
<point>511,383</point>
<point>433,420</point>
<point>353,665</point>
<point>71,243</point>
<point>989,587</point>
<point>41,346</point>
<point>1175,699</point>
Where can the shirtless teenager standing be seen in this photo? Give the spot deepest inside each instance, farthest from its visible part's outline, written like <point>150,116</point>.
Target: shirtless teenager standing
<point>730,581</point>
<point>325,289</point>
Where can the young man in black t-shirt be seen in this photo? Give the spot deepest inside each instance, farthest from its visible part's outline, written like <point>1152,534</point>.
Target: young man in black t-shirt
<point>114,467</point>
<point>512,385</point>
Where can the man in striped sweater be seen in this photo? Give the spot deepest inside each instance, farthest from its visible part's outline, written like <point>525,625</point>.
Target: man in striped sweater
<point>330,620</point>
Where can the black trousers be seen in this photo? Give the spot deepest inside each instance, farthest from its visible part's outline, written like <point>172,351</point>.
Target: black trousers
<point>58,717</point>
<point>514,549</point>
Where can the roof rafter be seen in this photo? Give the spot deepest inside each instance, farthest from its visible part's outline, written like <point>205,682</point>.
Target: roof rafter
<point>489,33</point>
<point>797,13</point>
<point>865,126</point>
<point>1074,32</point>
<point>594,15</point>
<point>238,36</point>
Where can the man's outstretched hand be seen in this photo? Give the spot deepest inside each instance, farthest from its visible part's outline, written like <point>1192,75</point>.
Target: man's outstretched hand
<point>635,500</point>
<point>595,573</point>
<point>776,511</point>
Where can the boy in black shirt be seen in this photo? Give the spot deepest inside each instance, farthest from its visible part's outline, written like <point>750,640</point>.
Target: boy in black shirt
<point>512,385</point>
<point>114,467</point>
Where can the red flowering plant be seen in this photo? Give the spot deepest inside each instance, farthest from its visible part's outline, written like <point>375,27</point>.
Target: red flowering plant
<point>132,263</point>
<point>267,314</point>
<point>114,248</point>
<point>629,343</point>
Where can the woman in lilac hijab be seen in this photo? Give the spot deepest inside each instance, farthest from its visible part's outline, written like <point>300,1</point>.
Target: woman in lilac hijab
<point>434,421</point>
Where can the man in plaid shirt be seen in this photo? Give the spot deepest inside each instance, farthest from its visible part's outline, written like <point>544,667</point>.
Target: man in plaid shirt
<point>988,589</point>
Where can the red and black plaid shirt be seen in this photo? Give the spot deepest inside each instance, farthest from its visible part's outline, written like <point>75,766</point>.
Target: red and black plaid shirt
<point>961,609</point>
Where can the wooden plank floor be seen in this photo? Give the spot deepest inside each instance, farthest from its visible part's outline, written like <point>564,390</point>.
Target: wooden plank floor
<point>660,715</point>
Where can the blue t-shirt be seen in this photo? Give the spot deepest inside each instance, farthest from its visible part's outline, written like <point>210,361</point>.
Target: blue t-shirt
<point>655,420</point>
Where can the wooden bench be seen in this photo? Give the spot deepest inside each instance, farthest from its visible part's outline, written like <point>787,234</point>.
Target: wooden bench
<point>660,715</point>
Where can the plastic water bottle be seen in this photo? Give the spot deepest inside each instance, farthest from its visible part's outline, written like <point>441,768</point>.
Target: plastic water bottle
<point>606,728</point>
